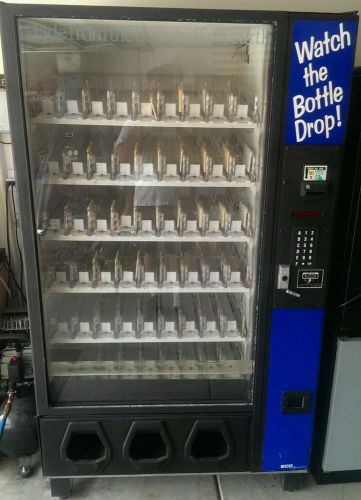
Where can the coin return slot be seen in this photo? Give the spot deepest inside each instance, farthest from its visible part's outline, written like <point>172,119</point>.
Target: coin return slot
<point>296,402</point>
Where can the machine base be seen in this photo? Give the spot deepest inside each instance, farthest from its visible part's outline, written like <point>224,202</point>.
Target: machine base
<point>61,487</point>
<point>168,444</point>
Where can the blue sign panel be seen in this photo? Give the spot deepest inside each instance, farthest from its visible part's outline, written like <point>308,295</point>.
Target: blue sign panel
<point>320,73</point>
<point>295,344</point>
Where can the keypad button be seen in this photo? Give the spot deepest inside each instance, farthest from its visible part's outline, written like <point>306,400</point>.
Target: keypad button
<point>303,251</point>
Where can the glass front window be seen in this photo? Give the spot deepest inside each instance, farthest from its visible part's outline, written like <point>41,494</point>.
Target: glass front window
<point>147,143</point>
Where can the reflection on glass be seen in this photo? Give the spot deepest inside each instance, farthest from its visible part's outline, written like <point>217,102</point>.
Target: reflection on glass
<point>86,101</point>
<point>147,180</point>
<point>149,156</point>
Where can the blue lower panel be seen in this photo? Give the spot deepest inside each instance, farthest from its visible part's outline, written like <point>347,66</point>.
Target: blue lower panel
<point>295,341</point>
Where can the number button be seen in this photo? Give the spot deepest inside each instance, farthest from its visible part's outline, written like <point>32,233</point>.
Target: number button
<point>305,240</point>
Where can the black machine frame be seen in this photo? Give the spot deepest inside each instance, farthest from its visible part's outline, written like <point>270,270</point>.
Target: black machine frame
<point>270,209</point>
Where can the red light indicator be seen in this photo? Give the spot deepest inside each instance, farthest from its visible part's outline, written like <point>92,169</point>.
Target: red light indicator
<point>306,214</point>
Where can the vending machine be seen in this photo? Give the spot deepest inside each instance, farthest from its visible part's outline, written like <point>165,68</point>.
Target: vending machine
<point>335,454</point>
<point>178,174</point>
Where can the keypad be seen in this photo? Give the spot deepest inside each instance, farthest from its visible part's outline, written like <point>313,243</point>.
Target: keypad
<point>305,246</point>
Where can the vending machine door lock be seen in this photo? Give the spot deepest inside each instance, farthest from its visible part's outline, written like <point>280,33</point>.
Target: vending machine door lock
<point>283,280</point>
<point>283,276</point>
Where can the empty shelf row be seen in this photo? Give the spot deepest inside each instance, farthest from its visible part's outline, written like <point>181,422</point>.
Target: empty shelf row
<point>146,267</point>
<point>139,318</point>
<point>165,214</point>
<point>87,97</point>
<point>153,370</point>
<point>148,157</point>
<point>158,360</point>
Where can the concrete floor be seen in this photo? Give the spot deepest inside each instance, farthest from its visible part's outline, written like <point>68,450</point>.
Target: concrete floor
<point>241,487</point>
